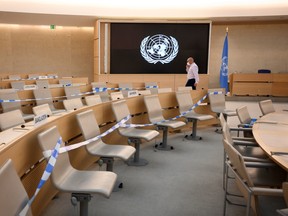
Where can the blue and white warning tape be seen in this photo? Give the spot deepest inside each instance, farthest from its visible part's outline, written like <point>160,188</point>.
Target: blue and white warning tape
<point>176,117</point>
<point>48,170</point>
<point>95,90</point>
<point>53,154</point>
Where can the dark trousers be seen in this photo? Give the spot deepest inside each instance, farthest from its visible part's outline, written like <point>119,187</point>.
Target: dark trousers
<point>191,83</point>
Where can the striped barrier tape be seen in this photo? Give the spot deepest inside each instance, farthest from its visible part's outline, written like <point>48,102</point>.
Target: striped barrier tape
<point>48,170</point>
<point>176,117</point>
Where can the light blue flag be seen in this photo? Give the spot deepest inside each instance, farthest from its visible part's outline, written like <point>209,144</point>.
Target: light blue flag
<point>224,66</point>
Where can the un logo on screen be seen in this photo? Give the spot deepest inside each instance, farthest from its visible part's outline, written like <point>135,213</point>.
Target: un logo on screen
<point>159,48</point>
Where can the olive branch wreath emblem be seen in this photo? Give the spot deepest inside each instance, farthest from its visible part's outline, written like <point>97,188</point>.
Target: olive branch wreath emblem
<point>164,61</point>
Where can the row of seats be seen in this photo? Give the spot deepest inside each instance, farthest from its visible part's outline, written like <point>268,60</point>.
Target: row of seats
<point>253,172</point>
<point>32,76</point>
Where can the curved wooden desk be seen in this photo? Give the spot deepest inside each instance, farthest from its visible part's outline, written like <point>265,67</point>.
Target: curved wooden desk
<point>271,132</point>
<point>22,145</point>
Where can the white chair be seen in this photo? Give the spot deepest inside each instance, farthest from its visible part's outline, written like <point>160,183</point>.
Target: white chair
<point>152,86</point>
<point>107,152</point>
<point>44,96</point>
<point>73,104</point>
<point>128,86</point>
<point>266,107</point>
<point>42,109</point>
<point>18,85</point>
<point>134,135</point>
<point>218,105</point>
<point>72,92</point>
<point>80,183</point>
<point>103,94</point>
<point>33,76</point>
<point>11,119</point>
<point>155,115</point>
<point>185,102</point>
<point>13,196</point>
<point>9,106</point>
<point>116,95</point>
<point>14,77</point>
<point>65,82</point>
<point>93,100</point>
<point>42,84</point>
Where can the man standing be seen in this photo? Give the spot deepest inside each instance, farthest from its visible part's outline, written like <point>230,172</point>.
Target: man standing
<point>192,73</point>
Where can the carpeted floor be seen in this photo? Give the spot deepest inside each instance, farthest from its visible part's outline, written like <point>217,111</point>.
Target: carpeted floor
<point>186,181</point>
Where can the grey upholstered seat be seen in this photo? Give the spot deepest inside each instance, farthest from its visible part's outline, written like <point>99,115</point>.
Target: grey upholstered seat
<point>266,106</point>
<point>103,94</point>
<point>68,179</point>
<point>72,92</point>
<point>13,196</point>
<point>44,96</point>
<point>155,115</point>
<point>185,102</point>
<point>9,106</point>
<point>73,104</point>
<point>89,128</point>
<point>14,77</point>
<point>245,120</point>
<point>93,100</point>
<point>134,135</point>
<point>65,82</point>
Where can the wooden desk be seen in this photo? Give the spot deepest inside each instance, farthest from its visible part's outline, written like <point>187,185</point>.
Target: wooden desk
<point>272,136</point>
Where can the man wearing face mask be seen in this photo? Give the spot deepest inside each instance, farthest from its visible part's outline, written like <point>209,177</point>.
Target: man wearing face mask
<point>192,73</point>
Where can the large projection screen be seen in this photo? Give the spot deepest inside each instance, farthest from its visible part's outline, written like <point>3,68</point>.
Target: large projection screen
<point>158,48</point>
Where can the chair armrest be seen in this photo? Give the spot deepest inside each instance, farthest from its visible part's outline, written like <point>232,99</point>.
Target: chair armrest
<point>260,164</point>
<point>240,128</point>
<point>248,126</point>
<point>253,159</point>
<point>245,143</point>
<point>266,191</point>
<point>251,139</point>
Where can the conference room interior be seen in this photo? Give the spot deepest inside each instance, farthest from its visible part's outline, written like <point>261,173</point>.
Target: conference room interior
<point>64,66</point>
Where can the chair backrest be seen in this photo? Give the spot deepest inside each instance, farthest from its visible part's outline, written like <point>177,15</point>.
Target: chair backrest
<point>116,95</point>
<point>154,108</point>
<point>89,127</point>
<point>285,191</point>
<point>65,82</point>
<point>14,77</point>
<point>11,119</point>
<point>9,106</point>
<point>18,85</point>
<point>164,90</point>
<point>120,110</point>
<point>217,101</point>
<point>42,109</point>
<point>184,100</point>
<point>72,92</point>
<point>33,76</point>
<point>43,96</point>
<point>93,100</point>
<point>266,106</point>
<point>13,196</point>
<point>125,85</point>
<point>184,88</point>
<point>52,75</point>
<point>243,115</point>
<point>153,90</point>
<point>42,84</point>
<point>103,94</point>
<point>47,141</point>
<point>72,104</point>
<point>144,92</point>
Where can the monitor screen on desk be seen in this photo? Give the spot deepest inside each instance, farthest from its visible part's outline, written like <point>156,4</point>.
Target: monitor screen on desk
<point>158,48</point>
